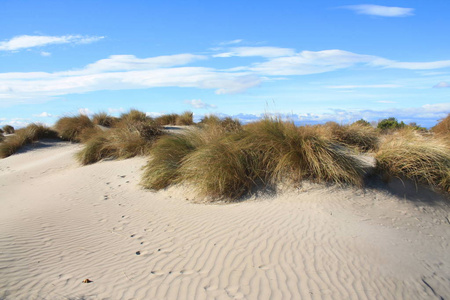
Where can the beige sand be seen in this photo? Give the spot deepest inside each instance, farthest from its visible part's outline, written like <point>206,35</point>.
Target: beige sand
<point>61,223</point>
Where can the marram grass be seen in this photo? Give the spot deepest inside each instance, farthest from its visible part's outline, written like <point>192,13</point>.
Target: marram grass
<point>24,136</point>
<point>226,164</point>
<point>72,128</point>
<point>425,160</point>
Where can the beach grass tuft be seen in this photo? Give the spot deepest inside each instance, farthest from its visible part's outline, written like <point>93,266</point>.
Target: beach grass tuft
<point>71,128</point>
<point>131,136</point>
<point>23,136</point>
<point>186,118</point>
<point>103,119</point>
<point>423,159</point>
<point>224,164</point>
<point>358,136</point>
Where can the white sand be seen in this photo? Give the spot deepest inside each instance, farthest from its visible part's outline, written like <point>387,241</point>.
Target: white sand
<point>61,223</point>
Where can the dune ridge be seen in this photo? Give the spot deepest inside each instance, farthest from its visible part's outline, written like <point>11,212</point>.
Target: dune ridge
<point>61,223</point>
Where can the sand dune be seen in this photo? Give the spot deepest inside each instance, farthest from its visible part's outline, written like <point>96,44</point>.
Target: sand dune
<point>61,223</point>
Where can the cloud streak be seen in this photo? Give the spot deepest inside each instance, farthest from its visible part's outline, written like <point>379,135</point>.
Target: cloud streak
<point>382,11</point>
<point>120,72</point>
<point>198,103</point>
<point>31,41</point>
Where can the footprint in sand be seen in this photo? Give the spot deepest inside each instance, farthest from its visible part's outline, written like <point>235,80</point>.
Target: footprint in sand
<point>264,267</point>
<point>157,272</point>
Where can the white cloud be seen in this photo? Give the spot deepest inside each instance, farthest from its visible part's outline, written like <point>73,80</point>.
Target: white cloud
<point>116,110</point>
<point>131,62</point>
<point>442,84</point>
<point>119,72</point>
<point>44,53</point>
<point>85,111</point>
<point>231,42</point>
<point>30,41</point>
<point>364,86</point>
<point>43,115</point>
<point>153,114</point>
<point>257,51</point>
<point>198,103</point>
<point>378,10</point>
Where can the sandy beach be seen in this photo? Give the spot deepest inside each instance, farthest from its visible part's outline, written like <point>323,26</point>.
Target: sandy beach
<point>62,223</point>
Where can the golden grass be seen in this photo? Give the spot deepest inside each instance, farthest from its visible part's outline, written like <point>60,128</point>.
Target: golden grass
<point>186,118</point>
<point>443,127</point>
<point>72,128</point>
<point>130,137</point>
<point>229,124</point>
<point>226,164</point>
<point>358,136</point>
<point>423,159</point>
<point>103,119</point>
<point>27,135</point>
<point>8,129</point>
<point>133,116</point>
<point>167,119</point>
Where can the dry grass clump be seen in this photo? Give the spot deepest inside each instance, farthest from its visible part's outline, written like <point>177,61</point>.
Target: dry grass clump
<point>357,135</point>
<point>117,143</point>
<point>166,157</point>
<point>133,135</point>
<point>27,135</point>
<point>425,160</point>
<point>134,116</point>
<point>2,137</point>
<point>8,129</point>
<point>228,123</point>
<point>72,128</point>
<point>186,118</point>
<point>104,119</point>
<point>229,164</point>
<point>443,127</point>
<point>167,119</point>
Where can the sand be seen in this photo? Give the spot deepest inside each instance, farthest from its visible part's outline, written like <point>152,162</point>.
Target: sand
<point>61,223</point>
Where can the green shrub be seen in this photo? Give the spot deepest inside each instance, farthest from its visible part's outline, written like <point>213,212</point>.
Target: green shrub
<point>362,122</point>
<point>390,124</point>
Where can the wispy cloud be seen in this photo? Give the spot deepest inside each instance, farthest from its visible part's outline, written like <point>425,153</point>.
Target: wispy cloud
<point>364,86</point>
<point>198,103</point>
<point>378,10</point>
<point>43,115</point>
<point>442,84</point>
<point>120,72</point>
<point>31,41</point>
<point>237,41</point>
<point>44,53</point>
<point>85,111</point>
<point>257,51</point>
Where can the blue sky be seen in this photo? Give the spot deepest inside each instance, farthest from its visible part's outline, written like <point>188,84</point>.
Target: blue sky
<point>312,61</point>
